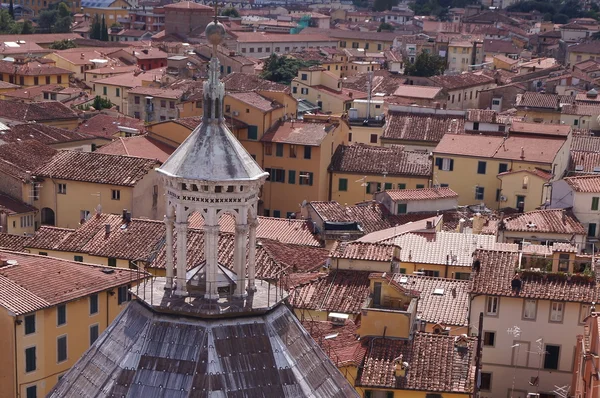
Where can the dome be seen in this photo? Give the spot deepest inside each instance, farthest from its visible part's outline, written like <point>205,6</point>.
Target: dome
<point>215,33</point>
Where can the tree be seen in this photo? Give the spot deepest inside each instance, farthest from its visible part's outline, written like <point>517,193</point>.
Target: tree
<point>230,12</point>
<point>96,31</point>
<point>63,19</point>
<point>101,103</point>
<point>27,28</point>
<point>47,20</point>
<point>62,45</point>
<point>384,5</point>
<point>426,65</point>
<point>560,18</point>
<point>280,69</point>
<point>11,9</point>
<point>385,26</point>
<point>7,24</point>
<point>104,30</point>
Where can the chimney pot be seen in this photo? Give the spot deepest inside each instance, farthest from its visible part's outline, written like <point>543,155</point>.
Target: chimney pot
<point>124,214</point>
<point>107,228</point>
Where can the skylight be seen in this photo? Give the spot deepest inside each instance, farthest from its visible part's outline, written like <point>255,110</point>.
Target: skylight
<point>439,291</point>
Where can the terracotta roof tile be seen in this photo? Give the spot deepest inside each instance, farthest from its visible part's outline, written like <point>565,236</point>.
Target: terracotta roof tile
<point>421,127</point>
<point>43,133</point>
<point>497,270</point>
<point>32,91</point>
<point>296,258</point>
<point>23,291</point>
<point>585,143</point>
<point>20,157</point>
<point>256,100</point>
<point>500,46</point>
<point>187,5</point>
<point>32,68</point>
<point>540,128</point>
<point>583,162</point>
<point>531,99</point>
<point>338,342</point>
<point>435,363</point>
<point>36,111</point>
<point>157,92</point>
<point>363,251</point>
<point>51,238</point>
<point>411,91</point>
<point>557,221</point>
<point>300,133</point>
<point>339,291</point>
<point>246,82</point>
<point>543,174</point>
<point>370,216</point>
<point>96,167</point>
<point>131,79</point>
<point>464,80</point>
<point>365,159</point>
<point>141,146</point>
<point>295,232</point>
<point>589,184</point>
<point>15,243</point>
<point>421,194</point>
<point>481,115</point>
<point>11,206</point>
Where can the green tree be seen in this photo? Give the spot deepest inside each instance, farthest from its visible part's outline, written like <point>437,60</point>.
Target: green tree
<point>101,103</point>
<point>560,18</point>
<point>96,31</point>
<point>11,9</point>
<point>104,30</point>
<point>63,19</point>
<point>230,12</point>
<point>280,69</point>
<point>385,26</point>
<point>383,5</point>
<point>47,20</point>
<point>426,65</point>
<point>62,45</point>
<point>7,24</point>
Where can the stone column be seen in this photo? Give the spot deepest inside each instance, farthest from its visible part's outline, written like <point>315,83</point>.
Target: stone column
<point>169,246</point>
<point>252,255</point>
<point>181,226</point>
<point>211,249</point>
<point>241,238</point>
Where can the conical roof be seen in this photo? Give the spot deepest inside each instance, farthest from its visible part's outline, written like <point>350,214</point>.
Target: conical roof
<point>212,153</point>
<point>144,353</point>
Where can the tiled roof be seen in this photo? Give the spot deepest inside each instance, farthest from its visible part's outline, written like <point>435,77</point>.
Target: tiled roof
<point>421,127</point>
<point>295,232</point>
<point>338,342</point>
<point>497,270</point>
<point>32,91</point>
<point>22,290</point>
<point>423,92</point>
<point>370,216</point>
<point>257,101</point>
<point>500,46</point>
<point>588,161</point>
<point>11,206</point>
<point>441,300</point>
<point>589,48</point>
<point>295,258</point>
<point>245,82</point>
<point>107,126</point>
<point>262,37</point>
<point>299,133</point>
<point>581,109</point>
<point>557,221</point>
<point>46,111</point>
<point>585,143</point>
<point>543,174</point>
<point>339,291</point>
<point>447,248</point>
<point>481,115</point>
<point>43,133</point>
<point>421,194</point>
<point>365,159</point>
<point>141,146</point>
<point>32,68</point>
<point>541,128</point>
<point>41,38</point>
<point>187,5</point>
<point>157,92</point>
<point>96,167</point>
<point>20,157</point>
<point>531,99</point>
<point>535,149</point>
<point>464,80</point>
<point>589,184</point>
<point>12,242</point>
<point>435,363</point>
<point>131,79</point>
<point>363,251</point>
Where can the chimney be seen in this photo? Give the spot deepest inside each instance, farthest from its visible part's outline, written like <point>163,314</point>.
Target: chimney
<point>107,229</point>
<point>461,225</point>
<point>3,262</point>
<point>429,224</point>
<point>128,217</point>
<point>522,153</point>
<point>564,216</point>
<point>124,214</point>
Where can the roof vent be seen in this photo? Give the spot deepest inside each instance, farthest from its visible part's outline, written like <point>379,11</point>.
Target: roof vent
<point>108,270</point>
<point>531,224</point>
<point>579,168</point>
<point>596,169</point>
<point>337,319</point>
<point>404,279</point>
<point>592,93</point>
<point>438,291</point>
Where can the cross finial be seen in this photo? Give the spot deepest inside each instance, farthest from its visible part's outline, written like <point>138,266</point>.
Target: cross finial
<point>216,10</point>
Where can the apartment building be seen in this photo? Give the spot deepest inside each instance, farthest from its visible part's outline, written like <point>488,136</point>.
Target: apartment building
<point>154,104</point>
<point>261,44</point>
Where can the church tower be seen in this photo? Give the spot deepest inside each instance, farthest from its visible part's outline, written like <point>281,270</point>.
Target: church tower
<point>212,173</point>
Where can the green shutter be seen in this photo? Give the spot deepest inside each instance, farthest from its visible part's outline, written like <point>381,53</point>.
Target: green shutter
<point>292,176</point>
<point>388,185</point>
<point>420,186</point>
<point>343,184</point>
<point>252,132</point>
<point>402,208</point>
<point>595,203</point>
<point>401,186</point>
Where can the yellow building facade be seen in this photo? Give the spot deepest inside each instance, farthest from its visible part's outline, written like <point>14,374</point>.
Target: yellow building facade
<point>351,188</point>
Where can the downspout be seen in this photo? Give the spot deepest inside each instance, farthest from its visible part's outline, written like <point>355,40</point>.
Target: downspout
<point>107,312</point>
<point>18,390</point>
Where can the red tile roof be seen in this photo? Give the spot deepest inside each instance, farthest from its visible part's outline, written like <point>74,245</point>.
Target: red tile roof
<point>481,115</point>
<point>497,271</point>
<point>31,92</point>
<point>32,68</point>
<point>543,174</point>
<point>296,258</point>
<point>462,81</point>
<point>141,146</point>
<point>370,216</point>
<point>557,221</point>
<point>157,92</point>
<point>421,127</point>
<point>15,243</point>
<point>46,111</point>
<point>188,5</point>
<point>97,168</point>
<point>22,290</point>
<point>294,232</point>
<point>107,126</point>
<point>363,159</point>
<point>43,133</point>
<point>363,251</point>
<point>589,184</point>
<point>421,194</point>
<point>541,128</point>
<point>338,342</point>
<point>584,160</point>
<point>11,206</point>
<point>21,157</point>
<point>339,291</point>
<point>585,143</point>
<point>246,82</point>
<point>300,133</point>
<point>435,363</point>
<point>257,101</point>
<point>531,99</point>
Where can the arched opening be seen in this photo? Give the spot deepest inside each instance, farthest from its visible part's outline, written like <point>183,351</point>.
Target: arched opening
<point>48,216</point>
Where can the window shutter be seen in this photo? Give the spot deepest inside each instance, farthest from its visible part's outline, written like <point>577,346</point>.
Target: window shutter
<point>451,164</point>
<point>438,163</point>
